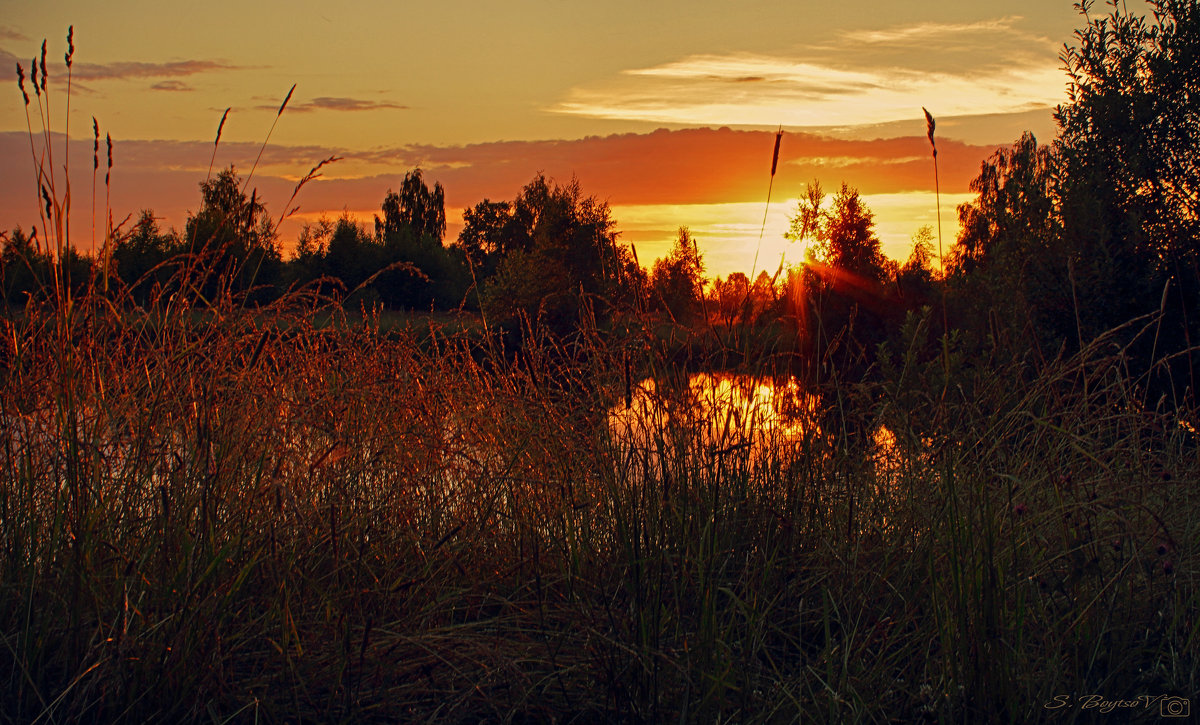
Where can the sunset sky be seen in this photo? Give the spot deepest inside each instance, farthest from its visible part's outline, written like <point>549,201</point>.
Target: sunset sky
<point>667,110</point>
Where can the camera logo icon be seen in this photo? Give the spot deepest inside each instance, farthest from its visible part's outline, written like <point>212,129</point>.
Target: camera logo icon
<point>1175,707</point>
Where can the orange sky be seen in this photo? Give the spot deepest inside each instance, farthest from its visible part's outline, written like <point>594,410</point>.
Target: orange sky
<point>712,180</point>
<point>667,110</point>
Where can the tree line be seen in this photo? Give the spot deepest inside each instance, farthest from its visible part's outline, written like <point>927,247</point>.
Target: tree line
<point>1093,232</point>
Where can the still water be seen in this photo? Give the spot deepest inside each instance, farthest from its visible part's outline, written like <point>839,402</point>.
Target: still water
<point>715,414</point>
<point>718,411</point>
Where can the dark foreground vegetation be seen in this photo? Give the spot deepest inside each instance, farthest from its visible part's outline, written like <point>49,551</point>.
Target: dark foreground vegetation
<point>234,489</point>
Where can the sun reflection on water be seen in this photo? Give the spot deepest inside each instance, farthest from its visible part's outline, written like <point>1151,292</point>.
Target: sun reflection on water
<point>721,412</point>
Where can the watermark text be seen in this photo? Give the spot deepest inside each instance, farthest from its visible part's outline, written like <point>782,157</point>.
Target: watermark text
<point>1166,705</point>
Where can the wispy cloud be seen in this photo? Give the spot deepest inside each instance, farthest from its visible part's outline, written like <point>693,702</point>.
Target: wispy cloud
<point>859,77</point>
<point>7,33</point>
<point>804,78</point>
<point>127,70</point>
<point>171,85</point>
<point>338,103</point>
<point>848,161</point>
<point>8,59</point>
<point>925,32</point>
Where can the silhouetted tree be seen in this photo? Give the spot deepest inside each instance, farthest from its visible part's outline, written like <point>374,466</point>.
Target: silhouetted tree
<point>843,235</point>
<point>731,298</point>
<point>1008,264</point>
<point>677,280</point>
<point>235,238</point>
<point>487,233</point>
<point>23,268</point>
<point>308,263</point>
<point>915,279</point>
<point>417,270</point>
<point>844,308</point>
<point>416,209</point>
<point>1130,181</point>
<point>352,255</point>
<point>559,253</point>
<point>140,258</point>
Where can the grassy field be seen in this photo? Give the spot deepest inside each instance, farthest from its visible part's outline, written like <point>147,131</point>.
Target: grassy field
<point>288,515</point>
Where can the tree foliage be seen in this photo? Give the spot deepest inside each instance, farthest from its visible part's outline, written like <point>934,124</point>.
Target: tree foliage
<point>842,235</point>
<point>24,268</point>
<point>487,231</point>
<point>141,259</point>
<point>1007,259</point>
<point>677,280</point>
<point>1074,239</point>
<point>843,310</point>
<point>415,209</point>
<point>1130,181</point>
<point>235,236</point>
<point>559,255</point>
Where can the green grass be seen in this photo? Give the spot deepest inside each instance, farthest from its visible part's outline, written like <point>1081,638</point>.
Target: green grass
<point>284,516</point>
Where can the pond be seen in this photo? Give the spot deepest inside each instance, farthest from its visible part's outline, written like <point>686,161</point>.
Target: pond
<point>713,415</point>
<point>721,412</point>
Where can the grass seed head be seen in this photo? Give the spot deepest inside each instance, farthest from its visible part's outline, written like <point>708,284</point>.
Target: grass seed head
<point>285,100</point>
<point>70,45</point>
<point>43,65</point>
<point>21,83</point>
<point>220,127</point>
<point>930,125</point>
<point>775,155</point>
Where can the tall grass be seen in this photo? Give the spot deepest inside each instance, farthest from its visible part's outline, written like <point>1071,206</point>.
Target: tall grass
<point>256,517</point>
<point>284,513</point>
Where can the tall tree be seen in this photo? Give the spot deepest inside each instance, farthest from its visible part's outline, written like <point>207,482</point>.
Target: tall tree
<point>140,258</point>
<point>488,229</point>
<point>415,208</point>
<point>560,254</point>
<point>1008,263</point>
<point>418,272</point>
<point>843,235</point>
<point>844,309</point>
<point>677,280</point>
<point>1130,180</point>
<point>235,237</point>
